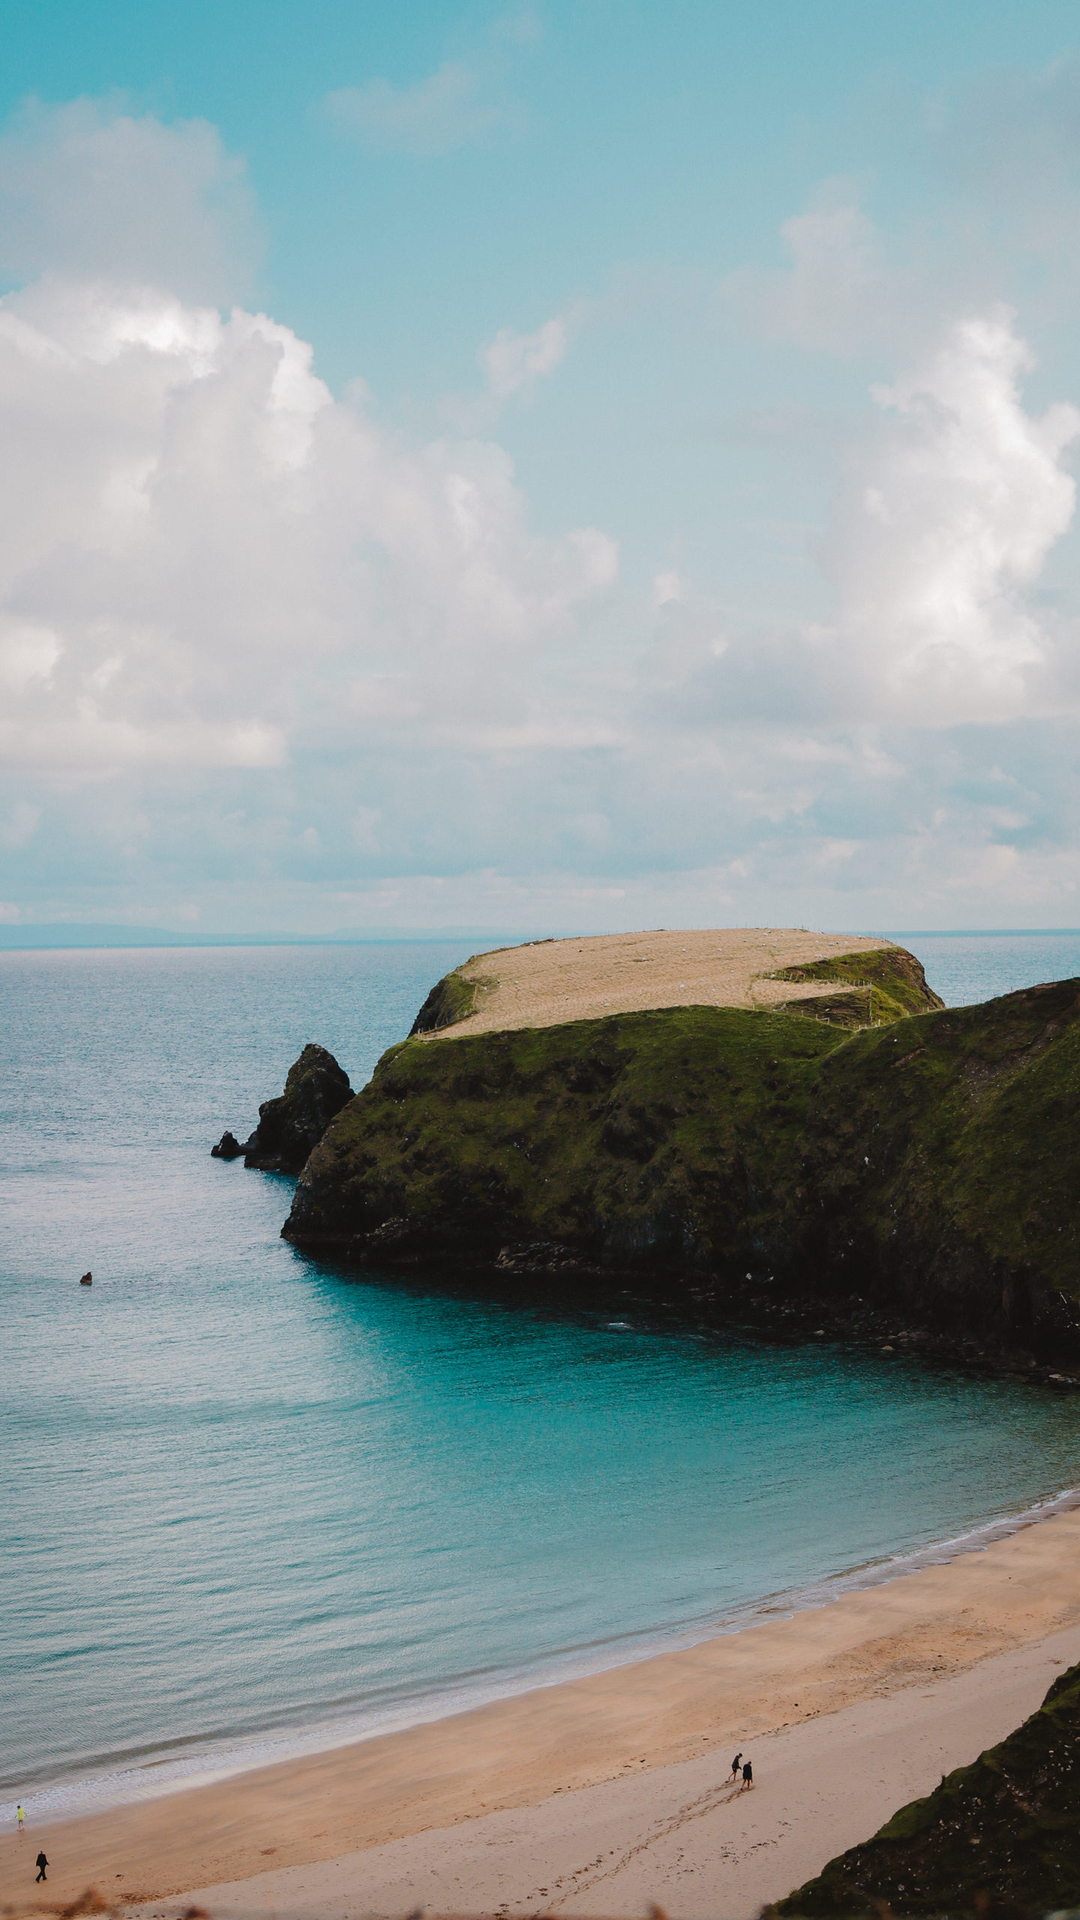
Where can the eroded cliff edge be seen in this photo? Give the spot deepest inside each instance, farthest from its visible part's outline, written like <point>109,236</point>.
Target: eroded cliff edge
<point>930,1163</point>
<point>999,1837</point>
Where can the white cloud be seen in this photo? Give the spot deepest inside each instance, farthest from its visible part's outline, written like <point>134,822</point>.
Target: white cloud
<point>945,520</point>
<point>516,361</point>
<point>270,661</point>
<point>89,190</point>
<point>27,653</point>
<point>205,560</point>
<point>455,107</point>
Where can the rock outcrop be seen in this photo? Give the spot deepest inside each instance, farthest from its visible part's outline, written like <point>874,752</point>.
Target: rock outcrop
<point>228,1147</point>
<point>1001,1837</point>
<point>292,1125</point>
<point>929,1166</point>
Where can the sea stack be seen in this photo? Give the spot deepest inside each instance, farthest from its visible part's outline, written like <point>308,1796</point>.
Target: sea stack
<point>291,1125</point>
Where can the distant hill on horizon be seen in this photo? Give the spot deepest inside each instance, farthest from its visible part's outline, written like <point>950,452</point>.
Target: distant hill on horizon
<point>77,933</point>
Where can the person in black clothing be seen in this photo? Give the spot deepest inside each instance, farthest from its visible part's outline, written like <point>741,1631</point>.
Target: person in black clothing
<point>747,1776</point>
<point>42,1863</point>
<point>735,1766</point>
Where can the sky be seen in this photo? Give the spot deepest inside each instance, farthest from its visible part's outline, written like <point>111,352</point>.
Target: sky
<point>570,466</point>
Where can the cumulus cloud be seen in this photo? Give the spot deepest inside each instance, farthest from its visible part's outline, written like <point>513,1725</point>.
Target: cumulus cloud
<point>944,524</point>
<point>455,107</point>
<point>204,557</point>
<point>89,190</point>
<point>243,628</point>
<point>259,650</point>
<point>514,362</point>
<point>950,499</point>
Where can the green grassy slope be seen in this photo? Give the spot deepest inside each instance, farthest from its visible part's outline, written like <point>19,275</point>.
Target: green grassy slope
<point>451,999</point>
<point>1005,1830</point>
<point>933,1162</point>
<point>945,1160</point>
<point>652,1133</point>
<point>884,984</point>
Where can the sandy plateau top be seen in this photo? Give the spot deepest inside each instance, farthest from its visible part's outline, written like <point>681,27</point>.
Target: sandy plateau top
<point>551,981</point>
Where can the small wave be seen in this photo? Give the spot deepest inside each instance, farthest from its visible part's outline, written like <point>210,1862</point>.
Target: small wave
<point>222,1759</point>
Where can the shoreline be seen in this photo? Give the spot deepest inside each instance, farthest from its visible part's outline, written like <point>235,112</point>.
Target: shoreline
<point>105,1787</point>
<point>921,1631</point>
<point>678,1836</point>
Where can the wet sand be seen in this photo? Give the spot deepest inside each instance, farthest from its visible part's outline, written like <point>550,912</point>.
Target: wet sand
<point>583,979</point>
<point>598,1795</point>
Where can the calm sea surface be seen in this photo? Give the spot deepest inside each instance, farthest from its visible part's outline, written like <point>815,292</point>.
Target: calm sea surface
<point>252,1503</point>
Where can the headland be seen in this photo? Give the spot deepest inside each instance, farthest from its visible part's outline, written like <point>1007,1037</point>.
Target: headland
<point>786,1129</point>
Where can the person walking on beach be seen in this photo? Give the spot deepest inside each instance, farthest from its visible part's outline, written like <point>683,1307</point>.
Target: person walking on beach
<point>735,1765</point>
<point>42,1863</point>
<point>747,1776</point>
<point>21,1818</point>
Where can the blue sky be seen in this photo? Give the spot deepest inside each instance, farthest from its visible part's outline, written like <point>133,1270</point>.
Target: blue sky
<point>579,465</point>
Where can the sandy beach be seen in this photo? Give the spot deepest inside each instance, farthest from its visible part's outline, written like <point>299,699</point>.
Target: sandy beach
<point>583,979</point>
<point>602,1794</point>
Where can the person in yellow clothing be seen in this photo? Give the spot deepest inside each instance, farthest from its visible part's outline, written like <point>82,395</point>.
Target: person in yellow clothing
<point>21,1818</point>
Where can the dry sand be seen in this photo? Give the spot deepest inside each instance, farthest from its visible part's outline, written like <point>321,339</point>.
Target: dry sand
<point>556,980</point>
<point>599,1795</point>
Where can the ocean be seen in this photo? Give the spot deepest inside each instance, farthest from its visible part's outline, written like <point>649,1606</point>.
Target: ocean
<point>254,1504</point>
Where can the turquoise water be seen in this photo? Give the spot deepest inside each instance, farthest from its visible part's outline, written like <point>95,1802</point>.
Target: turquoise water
<point>252,1502</point>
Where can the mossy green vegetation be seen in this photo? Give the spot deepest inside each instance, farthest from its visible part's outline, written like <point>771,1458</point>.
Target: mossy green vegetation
<point>932,1162</point>
<point>614,1136</point>
<point>884,984</point>
<point>1000,1835</point>
<point>451,999</point>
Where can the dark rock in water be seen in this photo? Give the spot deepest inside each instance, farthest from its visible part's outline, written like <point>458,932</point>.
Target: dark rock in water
<point>229,1147</point>
<point>87,1280</point>
<point>999,1837</point>
<point>293,1124</point>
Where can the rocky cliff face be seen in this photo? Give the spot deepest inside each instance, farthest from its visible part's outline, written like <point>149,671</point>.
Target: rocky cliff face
<point>289,1127</point>
<point>931,1164</point>
<point>999,1837</point>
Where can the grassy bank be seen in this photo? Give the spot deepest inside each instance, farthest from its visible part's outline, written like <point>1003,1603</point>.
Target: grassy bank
<point>999,1837</point>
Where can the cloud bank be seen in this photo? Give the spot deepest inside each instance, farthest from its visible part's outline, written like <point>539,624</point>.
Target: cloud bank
<point>360,664</point>
<point>204,557</point>
<point>266,661</point>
